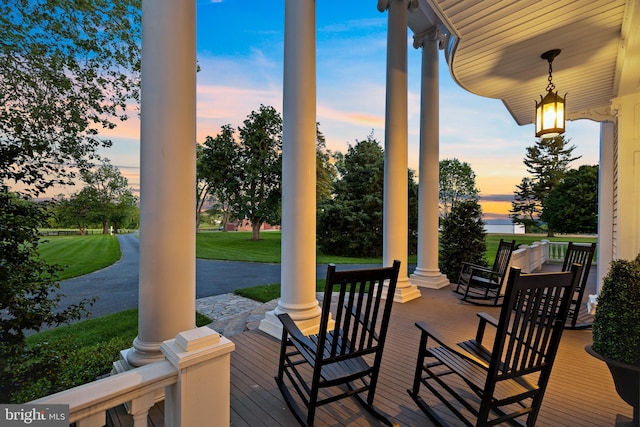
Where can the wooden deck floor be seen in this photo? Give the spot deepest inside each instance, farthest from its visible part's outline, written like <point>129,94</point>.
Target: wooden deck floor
<point>580,392</point>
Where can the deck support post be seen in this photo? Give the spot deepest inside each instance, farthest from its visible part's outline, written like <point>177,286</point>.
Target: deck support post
<point>298,272</point>
<point>396,187</point>
<point>427,273</point>
<point>167,177</point>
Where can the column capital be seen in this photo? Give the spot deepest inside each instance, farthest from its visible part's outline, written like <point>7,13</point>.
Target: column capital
<point>384,5</point>
<point>431,34</point>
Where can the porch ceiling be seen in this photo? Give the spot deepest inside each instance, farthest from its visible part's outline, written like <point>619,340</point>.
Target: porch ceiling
<point>500,43</point>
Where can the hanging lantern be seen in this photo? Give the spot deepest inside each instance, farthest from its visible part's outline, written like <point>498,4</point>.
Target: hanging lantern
<point>550,111</point>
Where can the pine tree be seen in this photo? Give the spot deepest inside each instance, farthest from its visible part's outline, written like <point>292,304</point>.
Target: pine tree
<point>547,161</point>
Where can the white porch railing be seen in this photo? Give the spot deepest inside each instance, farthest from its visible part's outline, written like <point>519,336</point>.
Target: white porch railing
<point>201,352</point>
<point>89,403</point>
<point>529,258</point>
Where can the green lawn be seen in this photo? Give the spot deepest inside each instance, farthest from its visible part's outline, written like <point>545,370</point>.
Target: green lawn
<point>80,254</point>
<point>238,246</point>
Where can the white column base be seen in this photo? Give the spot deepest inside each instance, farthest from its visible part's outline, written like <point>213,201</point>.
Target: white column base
<point>308,322</point>
<point>405,291</point>
<point>429,279</point>
<point>122,365</point>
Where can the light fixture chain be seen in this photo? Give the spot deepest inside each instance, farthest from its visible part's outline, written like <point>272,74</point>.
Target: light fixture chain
<point>550,86</point>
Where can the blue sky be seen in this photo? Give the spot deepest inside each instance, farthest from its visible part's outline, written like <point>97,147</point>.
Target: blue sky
<point>240,52</point>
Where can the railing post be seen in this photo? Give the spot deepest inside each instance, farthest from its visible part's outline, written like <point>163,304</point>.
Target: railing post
<point>545,251</point>
<point>202,393</point>
<point>526,268</point>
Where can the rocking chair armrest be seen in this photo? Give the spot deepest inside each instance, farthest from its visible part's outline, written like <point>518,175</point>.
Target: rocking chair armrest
<point>484,319</point>
<point>487,318</point>
<point>294,332</point>
<point>483,270</point>
<point>466,266</point>
<point>449,345</point>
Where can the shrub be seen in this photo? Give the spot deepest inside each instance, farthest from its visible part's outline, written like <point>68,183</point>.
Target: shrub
<point>53,367</point>
<point>616,325</point>
<point>463,238</point>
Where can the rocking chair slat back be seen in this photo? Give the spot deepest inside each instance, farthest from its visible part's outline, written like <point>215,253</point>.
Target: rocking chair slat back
<point>331,364</point>
<point>537,304</point>
<point>509,381</point>
<point>578,253</point>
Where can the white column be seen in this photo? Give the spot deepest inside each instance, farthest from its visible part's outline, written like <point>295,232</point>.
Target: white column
<point>167,181</point>
<point>427,273</point>
<point>396,188</point>
<point>298,276</point>
<point>605,201</point>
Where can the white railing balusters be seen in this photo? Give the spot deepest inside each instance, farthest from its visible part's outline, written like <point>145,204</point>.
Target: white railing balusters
<point>530,258</point>
<point>140,409</point>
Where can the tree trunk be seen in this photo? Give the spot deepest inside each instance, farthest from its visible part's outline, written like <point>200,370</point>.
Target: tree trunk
<point>225,219</point>
<point>255,230</point>
<point>105,228</point>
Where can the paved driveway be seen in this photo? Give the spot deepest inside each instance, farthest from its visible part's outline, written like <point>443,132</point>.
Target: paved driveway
<point>117,285</point>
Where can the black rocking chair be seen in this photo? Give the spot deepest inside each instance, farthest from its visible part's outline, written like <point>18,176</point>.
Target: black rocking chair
<point>486,385</point>
<point>341,360</point>
<point>578,253</point>
<point>479,285</point>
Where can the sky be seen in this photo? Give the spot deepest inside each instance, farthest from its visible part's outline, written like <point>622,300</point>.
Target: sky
<point>240,45</point>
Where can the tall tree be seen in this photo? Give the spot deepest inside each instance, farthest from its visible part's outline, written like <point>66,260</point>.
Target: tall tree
<point>326,171</point>
<point>547,161</point>
<point>114,199</point>
<point>68,68</point>
<point>457,183</point>
<point>525,208</point>
<point>463,238</point>
<point>78,210</point>
<point>202,184</point>
<point>572,205</point>
<point>260,168</point>
<point>356,209</point>
<point>219,169</point>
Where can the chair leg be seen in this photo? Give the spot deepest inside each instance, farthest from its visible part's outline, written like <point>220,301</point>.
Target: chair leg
<point>466,291</point>
<point>283,351</point>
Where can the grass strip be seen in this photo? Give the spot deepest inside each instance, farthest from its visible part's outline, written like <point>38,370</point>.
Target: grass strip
<point>79,255</point>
